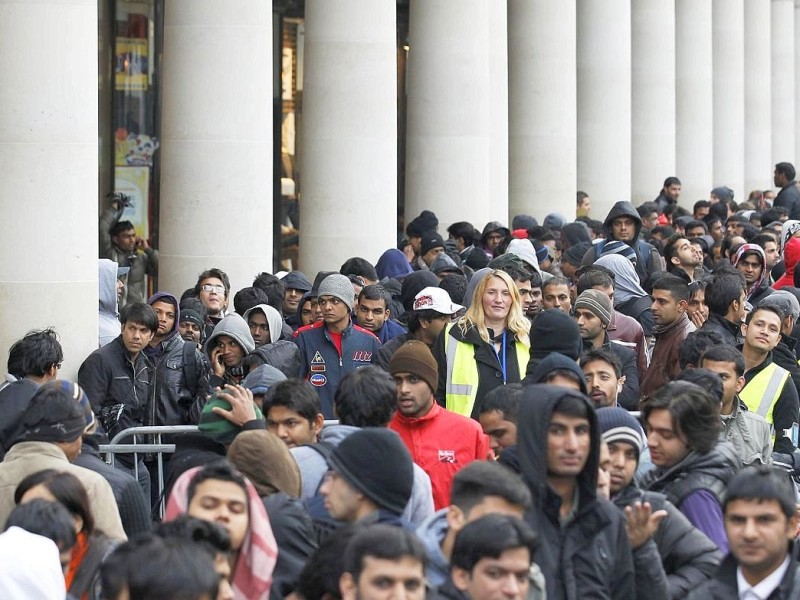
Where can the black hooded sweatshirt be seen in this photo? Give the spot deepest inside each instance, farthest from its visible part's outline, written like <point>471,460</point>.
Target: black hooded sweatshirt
<point>648,260</point>
<point>590,556</point>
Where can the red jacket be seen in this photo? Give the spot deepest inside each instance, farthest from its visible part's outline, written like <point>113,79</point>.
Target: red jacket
<point>442,443</point>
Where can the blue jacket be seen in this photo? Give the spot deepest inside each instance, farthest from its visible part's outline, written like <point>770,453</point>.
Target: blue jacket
<point>322,365</point>
<point>390,330</point>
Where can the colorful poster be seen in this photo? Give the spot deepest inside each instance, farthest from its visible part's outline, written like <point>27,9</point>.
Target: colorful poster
<point>135,182</point>
<point>130,65</point>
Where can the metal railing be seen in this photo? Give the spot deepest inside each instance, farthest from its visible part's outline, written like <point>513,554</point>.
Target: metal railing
<point>135,447</point>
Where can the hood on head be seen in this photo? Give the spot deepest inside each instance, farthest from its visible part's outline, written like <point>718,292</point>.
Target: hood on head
<point>476,278</point>
<point>274,320</point>
<point>167,297</point>
<point>535,412</point>
<point>493,226</point>
<point>393,264</point>
<point>525,250</point>
<point>623,208</point>
<point>234,327</point>
<point>107,285</point>
<point>575,233</point>
<point>553,362</point>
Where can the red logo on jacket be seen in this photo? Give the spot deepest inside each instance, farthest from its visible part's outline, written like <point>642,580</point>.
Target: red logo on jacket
<point>361,356</point>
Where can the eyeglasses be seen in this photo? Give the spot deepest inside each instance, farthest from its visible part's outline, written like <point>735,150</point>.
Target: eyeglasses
<point>207,287</point>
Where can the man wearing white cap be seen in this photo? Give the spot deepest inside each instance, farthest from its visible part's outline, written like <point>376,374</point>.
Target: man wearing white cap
<point>432,310</point>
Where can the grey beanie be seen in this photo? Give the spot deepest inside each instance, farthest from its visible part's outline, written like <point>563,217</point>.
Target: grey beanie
<point>338,286</point>
<point>234,326</point>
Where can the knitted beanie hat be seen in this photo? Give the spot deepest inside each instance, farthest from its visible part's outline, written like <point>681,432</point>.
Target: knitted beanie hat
<point>596,302</point>
<point>216,427</point>
<point>192,316</point>
<point>375,461</point>
<point>338,286</point>
<point>430,240</point>
<point>555,331</point>
<point>617,247</point>
<point>425,221</point>
<point>415,357</point>
<point>617,425</point>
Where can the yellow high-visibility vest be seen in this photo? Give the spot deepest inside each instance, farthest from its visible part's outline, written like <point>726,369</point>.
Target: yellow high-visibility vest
<point>763,391</point>
<point>461,387</point>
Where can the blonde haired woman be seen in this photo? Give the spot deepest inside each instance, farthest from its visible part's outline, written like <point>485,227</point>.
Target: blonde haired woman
<point>486,348</point>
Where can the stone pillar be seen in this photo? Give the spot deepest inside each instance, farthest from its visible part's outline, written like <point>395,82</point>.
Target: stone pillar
<point>653,97</point>
<point>694,108</point>
<point>728,94</point>
<point>757,94</point>
<point>604,102</point>
<point>542,118</point>
<point>783,42</point>
<point>349,135</point>
<point>216,148</point>
<point>457,128</point>
<point>48,149</point>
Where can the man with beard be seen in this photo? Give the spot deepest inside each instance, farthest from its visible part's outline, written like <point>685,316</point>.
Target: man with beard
<point>593,314</point>
<point>440,441</point>
<point>751,262</point>
<point>604,378</point>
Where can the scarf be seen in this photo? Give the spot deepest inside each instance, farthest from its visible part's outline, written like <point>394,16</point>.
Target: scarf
<point>626,281</point>
<point>252,573</point>
<point>758,251</point>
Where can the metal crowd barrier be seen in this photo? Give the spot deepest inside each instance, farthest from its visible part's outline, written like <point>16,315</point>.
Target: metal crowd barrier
<point>119,445</point>
<point>156,447</point>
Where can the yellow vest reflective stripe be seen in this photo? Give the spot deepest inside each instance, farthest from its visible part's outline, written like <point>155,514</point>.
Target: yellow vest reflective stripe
<point>461,386</point>
<point>763,391</point>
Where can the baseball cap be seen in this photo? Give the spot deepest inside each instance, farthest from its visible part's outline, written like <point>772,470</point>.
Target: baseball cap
<point>434,298</point>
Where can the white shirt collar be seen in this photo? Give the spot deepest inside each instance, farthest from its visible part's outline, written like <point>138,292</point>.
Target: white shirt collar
<point>763,589</point>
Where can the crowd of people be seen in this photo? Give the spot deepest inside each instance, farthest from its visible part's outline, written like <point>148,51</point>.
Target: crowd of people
<point>585,409</point>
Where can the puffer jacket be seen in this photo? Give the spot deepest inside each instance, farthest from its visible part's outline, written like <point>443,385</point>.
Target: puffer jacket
<point>647,272</point>
<point>710,471</point>
<point>749,433</point>
<point>141,262</point>
<point>177,401</point>
<point>687,556</point>
<point>589,556</point>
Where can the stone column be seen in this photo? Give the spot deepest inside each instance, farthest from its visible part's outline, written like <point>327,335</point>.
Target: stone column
<point>542,118</point>
<point>349,134</point>
<point>757,94</point>
<point>457,128</point>
<point>694,108</point>
<point>48,149</point>
<point>216,149</point>
<point>653,97</point>
<point>783,85</point>
<point>604,102</point>
<point>728,93</point>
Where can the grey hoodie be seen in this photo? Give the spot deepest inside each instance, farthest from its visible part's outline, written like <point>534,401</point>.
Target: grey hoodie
<point>235,327</point>
<point>274,320</point>
<point>108,319</point>
<point>313,468</point>
<point>431,533</point>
